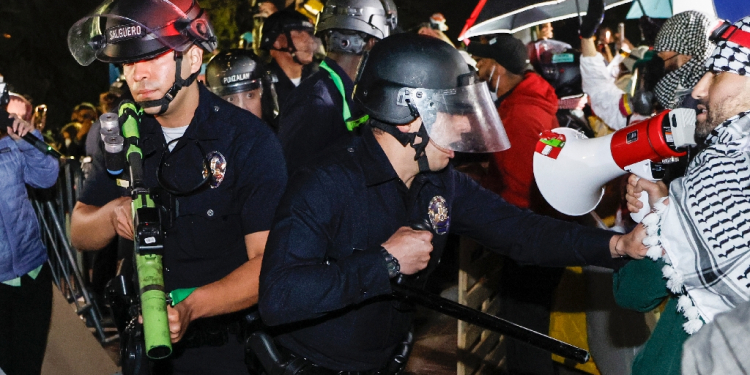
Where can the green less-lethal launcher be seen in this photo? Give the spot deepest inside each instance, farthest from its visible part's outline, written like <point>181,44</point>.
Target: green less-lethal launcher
<point>148,243</point>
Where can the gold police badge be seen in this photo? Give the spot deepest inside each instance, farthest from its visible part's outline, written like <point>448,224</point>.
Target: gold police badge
<point>438,213</point>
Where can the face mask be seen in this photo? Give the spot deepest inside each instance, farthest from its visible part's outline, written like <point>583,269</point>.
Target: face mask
<point>68,141</point>
<point>493,93</point>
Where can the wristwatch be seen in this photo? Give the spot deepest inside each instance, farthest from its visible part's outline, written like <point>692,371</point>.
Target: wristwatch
<point>391,263</point>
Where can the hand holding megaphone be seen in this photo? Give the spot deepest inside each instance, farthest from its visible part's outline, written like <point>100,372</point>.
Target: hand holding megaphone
<point>571,169</point>
<point>642,193</point>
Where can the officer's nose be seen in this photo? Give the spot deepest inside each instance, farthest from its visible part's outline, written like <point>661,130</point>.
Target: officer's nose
<point>138,70</point>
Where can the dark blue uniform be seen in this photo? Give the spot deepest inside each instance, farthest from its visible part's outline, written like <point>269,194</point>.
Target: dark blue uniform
<point>284,87</point>
<point>206,242</point>
<point>312,118</point>
<point>323,269</point>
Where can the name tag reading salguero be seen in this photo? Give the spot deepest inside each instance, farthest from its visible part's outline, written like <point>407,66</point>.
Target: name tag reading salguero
<point>124,32</point>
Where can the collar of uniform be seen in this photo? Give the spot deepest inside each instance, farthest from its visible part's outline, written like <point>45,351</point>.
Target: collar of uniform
<point>376,166</point>
<point>281,76</point>
<point>151,130</point>
<point>199,128</point>
<point>348,84</point>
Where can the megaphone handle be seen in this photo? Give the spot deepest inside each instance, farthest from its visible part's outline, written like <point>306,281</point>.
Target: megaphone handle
<point>638,216</point>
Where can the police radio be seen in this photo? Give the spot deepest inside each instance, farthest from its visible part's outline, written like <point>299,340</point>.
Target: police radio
<point>570,169</point>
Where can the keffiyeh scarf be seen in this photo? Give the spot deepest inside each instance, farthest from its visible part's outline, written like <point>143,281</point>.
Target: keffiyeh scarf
<point>704,231</point>
<point>687,34</point>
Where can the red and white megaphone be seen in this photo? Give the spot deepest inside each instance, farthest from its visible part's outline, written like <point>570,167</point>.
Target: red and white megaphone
<point>571,170</point>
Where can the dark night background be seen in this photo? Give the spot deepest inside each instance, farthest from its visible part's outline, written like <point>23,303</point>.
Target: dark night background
<point>35,61</point>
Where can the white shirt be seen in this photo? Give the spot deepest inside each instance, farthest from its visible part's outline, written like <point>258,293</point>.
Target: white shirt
<point>171,134</point>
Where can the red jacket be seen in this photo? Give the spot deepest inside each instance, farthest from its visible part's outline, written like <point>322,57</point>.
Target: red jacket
<point>528,111</point>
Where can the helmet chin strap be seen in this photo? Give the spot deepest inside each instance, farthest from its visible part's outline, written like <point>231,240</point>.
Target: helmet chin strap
<point>409,139</point>
<point>291,48</point>
<point>172,92</point>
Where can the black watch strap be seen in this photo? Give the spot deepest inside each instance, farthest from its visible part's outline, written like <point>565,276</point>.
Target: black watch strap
<point>391,262</point>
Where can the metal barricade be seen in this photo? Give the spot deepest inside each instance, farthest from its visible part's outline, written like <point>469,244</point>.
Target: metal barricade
<point>54,207</point>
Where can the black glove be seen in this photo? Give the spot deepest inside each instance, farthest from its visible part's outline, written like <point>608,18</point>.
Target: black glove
<point>592,20</point>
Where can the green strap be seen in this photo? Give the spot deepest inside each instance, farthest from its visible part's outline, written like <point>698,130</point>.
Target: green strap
<point>350,124</point>
<point>179,295</point>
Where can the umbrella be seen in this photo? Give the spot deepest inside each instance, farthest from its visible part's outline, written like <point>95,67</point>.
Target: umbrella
<point>727,9</point>
<point>668,8</point>
<point>488,9</point>
<point>527,17</point>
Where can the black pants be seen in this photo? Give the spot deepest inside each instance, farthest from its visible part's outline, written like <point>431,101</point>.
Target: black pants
<point>25,314</point>
<point>228,359</point>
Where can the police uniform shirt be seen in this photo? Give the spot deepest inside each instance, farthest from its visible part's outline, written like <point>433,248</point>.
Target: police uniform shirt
<point>284,87</point>
<point>323,271</point>
<point>312,118</point>
<point>207,242</point>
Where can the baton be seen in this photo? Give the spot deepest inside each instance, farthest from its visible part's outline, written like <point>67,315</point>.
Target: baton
<point>487,321</point>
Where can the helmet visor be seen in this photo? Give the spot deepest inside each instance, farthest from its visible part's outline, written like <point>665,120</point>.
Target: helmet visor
<point>463,119</point>
<point>115,37</point>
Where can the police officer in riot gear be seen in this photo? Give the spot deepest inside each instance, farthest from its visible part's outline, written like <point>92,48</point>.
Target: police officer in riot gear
<point>239,77</point>
<point>219,176</point>
<point>321,111</point>
<point>343,231</point>
<point>288,36</point>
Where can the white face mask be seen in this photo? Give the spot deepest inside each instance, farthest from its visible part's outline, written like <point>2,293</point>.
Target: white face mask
<point>68,141</point>
<point>493,93</point>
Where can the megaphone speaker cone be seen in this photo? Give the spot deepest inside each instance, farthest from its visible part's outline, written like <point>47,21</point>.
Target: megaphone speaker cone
<point>570,170</point>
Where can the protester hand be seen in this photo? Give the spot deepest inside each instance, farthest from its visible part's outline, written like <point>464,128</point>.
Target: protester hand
<point>593,18</point>
<point>179,318</point>
<point>630,244</point>
<point>411,248</point>
<point>623,44</point>
<point>636,186</point>
<point>19,128</point>
<point>122,217</point>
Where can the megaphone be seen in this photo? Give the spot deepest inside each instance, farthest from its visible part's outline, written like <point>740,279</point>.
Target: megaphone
<point>571,170</point>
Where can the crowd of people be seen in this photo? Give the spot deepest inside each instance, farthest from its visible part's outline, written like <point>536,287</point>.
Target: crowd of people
<point>302,174</point>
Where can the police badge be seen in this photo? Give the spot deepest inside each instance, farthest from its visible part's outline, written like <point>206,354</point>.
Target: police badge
<point>218,165</point>
<point>437,211</point>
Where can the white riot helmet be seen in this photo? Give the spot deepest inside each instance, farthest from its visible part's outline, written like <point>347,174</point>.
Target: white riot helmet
<point>345,24</point>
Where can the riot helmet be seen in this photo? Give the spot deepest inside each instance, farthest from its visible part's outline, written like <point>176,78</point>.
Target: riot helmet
<point>234,71</point>
<point>238,71</point>
<point>283,22</point>
<point>128,31</point>
<point>408,76</point>
<point>346,24</point>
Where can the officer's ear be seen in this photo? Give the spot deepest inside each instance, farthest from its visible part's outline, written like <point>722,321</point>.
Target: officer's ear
<point>280,42</point>
<point>194,58</point>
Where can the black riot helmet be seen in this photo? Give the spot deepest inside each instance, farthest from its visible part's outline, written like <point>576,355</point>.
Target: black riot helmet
<point>127,31</point>
<point>233,71</point>
<point>406,76</point>
<point>240,70</point>
<point>282,22</point>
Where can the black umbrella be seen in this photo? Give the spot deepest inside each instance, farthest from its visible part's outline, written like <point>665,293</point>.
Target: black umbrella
<point>490,20</point>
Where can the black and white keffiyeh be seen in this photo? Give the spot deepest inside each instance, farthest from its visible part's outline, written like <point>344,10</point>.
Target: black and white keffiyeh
<point>705,229</point>
<point>687,34</point>
<point>729,56</point>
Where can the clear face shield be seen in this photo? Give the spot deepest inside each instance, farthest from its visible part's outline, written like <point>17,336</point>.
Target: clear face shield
<point>106,34</point>
<point>463,119</point>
